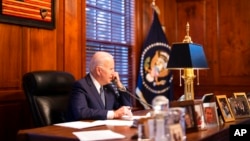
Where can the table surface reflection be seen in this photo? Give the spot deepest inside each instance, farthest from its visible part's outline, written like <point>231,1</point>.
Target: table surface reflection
<point>55,133</point>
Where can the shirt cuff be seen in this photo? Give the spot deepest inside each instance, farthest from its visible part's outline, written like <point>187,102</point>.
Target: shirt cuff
<point>110,115</point>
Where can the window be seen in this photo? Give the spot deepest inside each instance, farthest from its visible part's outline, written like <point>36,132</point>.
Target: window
<point>110,28</point>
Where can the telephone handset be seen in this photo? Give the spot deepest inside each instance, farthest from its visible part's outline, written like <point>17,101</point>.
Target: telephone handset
<point>114,81</point>
<point>114,85</point>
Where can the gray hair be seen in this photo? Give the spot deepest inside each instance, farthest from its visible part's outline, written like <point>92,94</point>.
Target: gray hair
<point>98,59</point>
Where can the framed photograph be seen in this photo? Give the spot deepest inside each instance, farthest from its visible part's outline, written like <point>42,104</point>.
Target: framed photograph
<point>209,97</point>
<point>240,94</point>
<point>35,13</point>
<point>189,117</point>
<point>225,108</point>
<point>175,132</point>
<point>210,114</point>
<point>199,114</point>
<point>191,123</point>
<point>248,97</point>
<point>244,95</point>
<point>240,107</point>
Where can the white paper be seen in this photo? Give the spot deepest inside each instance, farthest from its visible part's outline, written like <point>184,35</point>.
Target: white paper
<point>133,117</point>
<point>118,122</point>
<point>97,135</point>
<point>80,124</point>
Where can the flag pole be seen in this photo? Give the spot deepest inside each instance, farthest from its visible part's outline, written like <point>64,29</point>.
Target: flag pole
<point>155,7</point>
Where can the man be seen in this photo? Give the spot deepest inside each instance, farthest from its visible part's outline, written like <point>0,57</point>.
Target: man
<point>209,115</point>
<point>86,101</point>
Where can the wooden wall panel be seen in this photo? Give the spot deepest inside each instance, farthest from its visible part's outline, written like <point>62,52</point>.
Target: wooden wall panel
<point>233,45</point>
<point>74,25</point>
<point>169,21</point>
<point>43,49</point>
<point>13,110</point>
<point>192,12</point>
<point>10,56</point>
<point>210,41</point>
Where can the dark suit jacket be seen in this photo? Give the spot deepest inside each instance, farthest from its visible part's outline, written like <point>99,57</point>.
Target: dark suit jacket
<point>85,101</point>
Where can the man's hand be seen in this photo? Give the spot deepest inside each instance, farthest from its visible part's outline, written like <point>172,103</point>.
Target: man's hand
<point>123,111</point>
<point>117,80</point>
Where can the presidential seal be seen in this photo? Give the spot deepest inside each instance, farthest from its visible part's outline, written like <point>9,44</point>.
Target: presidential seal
<point>154,69</point>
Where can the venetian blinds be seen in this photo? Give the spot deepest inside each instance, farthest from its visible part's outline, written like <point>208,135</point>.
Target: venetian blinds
<point>110,28</point>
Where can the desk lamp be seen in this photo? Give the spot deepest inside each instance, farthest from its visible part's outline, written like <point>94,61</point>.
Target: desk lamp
<point>187,56</point>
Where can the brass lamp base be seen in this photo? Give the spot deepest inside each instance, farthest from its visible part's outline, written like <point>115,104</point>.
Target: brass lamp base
<point>188,77</point>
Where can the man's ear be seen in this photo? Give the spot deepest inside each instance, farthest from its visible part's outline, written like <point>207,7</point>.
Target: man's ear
<point>98,70</point>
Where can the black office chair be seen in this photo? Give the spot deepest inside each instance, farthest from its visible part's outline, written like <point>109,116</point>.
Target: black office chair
<point>47,93</point>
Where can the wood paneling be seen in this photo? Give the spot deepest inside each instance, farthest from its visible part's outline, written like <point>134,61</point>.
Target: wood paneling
<point>10,56</point>
<point>223,30</point>
<point>233,43</point>
<point>25,49</point>
<point>73,28</point>
<point>14,114</point>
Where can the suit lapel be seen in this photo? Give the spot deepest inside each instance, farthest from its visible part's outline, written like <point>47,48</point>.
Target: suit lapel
<point>94,91</point>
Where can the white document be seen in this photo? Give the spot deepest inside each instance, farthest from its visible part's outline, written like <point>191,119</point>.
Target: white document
<point>118,122</point>
<point>134,117</point>
<point>80,124</point>
<point>97,135</point>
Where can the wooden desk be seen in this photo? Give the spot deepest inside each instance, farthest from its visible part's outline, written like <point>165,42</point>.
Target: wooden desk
<point>219,133</point>
<point>55,133</point>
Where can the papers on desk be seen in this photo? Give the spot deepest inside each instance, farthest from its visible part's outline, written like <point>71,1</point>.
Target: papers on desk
<point>134,117</point>
<point>82,124</point>
<point>118,122</point>
<point>97,135</point>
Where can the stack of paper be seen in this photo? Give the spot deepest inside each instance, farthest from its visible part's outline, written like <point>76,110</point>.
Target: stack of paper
<point>97,135</point>
<point>80,124</point>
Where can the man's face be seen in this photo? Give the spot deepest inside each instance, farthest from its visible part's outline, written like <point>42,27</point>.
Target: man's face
<point>209,114</point>
<point>107,72</point>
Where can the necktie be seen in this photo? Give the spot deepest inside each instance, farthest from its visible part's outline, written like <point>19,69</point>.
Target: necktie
<point>102,95</point>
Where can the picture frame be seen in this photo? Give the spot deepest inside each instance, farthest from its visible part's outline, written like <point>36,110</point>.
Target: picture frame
<point>39,14</point>
<point>244,95</point>
<point>211,114</point>
<point>248,97</point>
<point>175,132</point>
<point>225,108</point>
<point>240,107</point>
<point>208,97</point>
<point>191,123</point>
<point>199,114</point>
<point>240,94</point>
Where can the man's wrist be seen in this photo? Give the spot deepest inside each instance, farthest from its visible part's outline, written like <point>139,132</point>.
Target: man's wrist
<point>110,115</point>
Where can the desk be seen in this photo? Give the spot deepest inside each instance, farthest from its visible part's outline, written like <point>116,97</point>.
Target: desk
<point>55,133</point>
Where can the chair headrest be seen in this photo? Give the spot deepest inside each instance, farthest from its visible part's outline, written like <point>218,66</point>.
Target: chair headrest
<point>48,82</point>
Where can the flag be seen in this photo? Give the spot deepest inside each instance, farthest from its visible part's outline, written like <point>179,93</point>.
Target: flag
<point>154,78</point>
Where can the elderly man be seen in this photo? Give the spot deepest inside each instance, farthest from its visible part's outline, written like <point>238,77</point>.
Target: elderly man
<point>93,97</point>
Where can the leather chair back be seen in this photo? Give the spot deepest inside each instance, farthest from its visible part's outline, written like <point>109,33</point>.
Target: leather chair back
<point>47,93</point>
